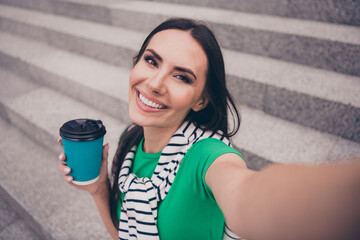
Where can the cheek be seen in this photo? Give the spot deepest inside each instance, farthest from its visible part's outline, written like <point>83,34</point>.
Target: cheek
<point>133,78</point>
<point>139,74</point>
<point>184,97</point>
<point>133,81</point>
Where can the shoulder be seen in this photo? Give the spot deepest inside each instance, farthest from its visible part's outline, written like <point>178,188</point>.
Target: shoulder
<point>200,157</point>
<point>211,148</point>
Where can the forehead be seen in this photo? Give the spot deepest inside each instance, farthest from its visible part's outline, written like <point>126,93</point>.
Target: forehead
<point>180,48</point>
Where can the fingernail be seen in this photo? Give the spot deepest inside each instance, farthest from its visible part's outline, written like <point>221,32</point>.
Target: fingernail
<point>68,179</point>
<point>67,169</point>
<point>61,156</point>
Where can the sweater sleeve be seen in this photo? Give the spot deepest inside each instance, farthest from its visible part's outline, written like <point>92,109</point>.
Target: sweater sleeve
<point>202,155</point>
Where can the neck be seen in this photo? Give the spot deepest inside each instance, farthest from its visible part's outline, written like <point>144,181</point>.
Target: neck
<point>156,139</point>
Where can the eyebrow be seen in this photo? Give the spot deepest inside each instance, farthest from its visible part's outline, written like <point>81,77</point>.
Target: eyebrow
<point>155,54</point>
<point>182,69</point>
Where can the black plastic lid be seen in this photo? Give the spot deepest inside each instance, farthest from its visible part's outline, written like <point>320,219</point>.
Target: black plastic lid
<point>82,130</point>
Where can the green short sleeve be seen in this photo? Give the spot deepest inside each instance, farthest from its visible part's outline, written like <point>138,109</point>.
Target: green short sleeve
<point>202,155</point>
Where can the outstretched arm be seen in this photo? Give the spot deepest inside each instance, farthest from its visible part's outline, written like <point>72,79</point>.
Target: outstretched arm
<point>288,201</point>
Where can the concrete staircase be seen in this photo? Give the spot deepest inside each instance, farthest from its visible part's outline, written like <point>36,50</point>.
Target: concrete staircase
<point>292,67</point>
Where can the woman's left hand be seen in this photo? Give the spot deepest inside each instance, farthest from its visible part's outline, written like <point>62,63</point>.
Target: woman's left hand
<point>94,188</point>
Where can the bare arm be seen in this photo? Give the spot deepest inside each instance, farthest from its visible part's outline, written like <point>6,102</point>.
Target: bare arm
<point>102,202</point>
<point>98,190</point>
<point>288,201</point>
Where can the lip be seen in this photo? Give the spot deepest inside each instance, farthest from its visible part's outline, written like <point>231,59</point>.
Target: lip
<point>147,108</point>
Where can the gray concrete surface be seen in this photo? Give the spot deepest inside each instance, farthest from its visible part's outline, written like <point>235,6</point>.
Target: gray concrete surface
<point>13,226</point>
<point>94,40</point>
<point>335,11</point>
<point>53,209</point>
<point>69,74</point>
<point>298,41</point>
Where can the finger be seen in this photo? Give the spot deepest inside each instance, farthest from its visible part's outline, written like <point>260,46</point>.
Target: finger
<point>60,141</point>
<point>64,169</point>
<point>62,157</point>
<point>68,179</point>
<point>105,152</point>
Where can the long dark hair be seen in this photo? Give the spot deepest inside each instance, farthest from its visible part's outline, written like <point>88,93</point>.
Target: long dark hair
<point>213,117</point>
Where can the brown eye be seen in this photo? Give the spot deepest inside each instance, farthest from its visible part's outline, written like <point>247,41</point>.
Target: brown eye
<point>151,61</point>
<point>184,79</point>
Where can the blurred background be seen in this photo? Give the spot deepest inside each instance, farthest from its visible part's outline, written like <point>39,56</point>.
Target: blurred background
<point>292,66</point>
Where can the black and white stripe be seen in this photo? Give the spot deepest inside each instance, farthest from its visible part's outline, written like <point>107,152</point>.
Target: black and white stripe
<point>229,235</point>
<point>138,216</point>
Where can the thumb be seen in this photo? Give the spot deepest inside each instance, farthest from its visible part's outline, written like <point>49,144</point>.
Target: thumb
<point>104,162</point>
<point>105,152</point>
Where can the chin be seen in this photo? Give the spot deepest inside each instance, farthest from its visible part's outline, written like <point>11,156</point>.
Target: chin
<point>142,120</point>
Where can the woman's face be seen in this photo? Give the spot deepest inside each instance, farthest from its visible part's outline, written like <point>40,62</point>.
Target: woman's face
<point>168,80</point>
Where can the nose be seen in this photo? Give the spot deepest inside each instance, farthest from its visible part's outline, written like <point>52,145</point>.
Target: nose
<point>157,83</point>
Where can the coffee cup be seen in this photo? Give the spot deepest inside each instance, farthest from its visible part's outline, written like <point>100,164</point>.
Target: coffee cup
<point>83,142</point>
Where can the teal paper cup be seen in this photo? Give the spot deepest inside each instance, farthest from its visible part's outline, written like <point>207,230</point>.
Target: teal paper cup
<point>83,143</point>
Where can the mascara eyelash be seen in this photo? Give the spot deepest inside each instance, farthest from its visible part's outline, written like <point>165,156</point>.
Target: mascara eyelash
<point>148,58</point>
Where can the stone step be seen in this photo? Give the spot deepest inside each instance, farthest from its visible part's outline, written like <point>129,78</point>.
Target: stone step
<point>316,98</point>
<point>300,41</point>
<point>39,111</point>
<point>113,45</point>
<point>334,11</point>
<point>285,142</point>
<point>29,160</point>
<point>13,223</point>
<point>92,10</point>
<point>84,79</point>
<point>270,128</point>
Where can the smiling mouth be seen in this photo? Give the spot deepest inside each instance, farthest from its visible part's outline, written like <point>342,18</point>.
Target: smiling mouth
<point>149,103</point>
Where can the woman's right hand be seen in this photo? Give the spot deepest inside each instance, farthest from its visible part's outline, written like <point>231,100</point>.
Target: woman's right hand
<point>94,188</point>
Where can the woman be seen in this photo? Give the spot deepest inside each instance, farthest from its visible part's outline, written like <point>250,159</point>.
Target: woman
<point>178,80</point>
<point>179,105</point>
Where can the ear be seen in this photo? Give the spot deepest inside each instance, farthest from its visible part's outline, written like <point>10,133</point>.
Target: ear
<point>201,104</point>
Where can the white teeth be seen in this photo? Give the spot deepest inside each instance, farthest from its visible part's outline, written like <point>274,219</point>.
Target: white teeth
<point>150,103</point>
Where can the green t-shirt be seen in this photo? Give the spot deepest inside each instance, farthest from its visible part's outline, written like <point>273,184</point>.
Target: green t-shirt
<point>189,211</point>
